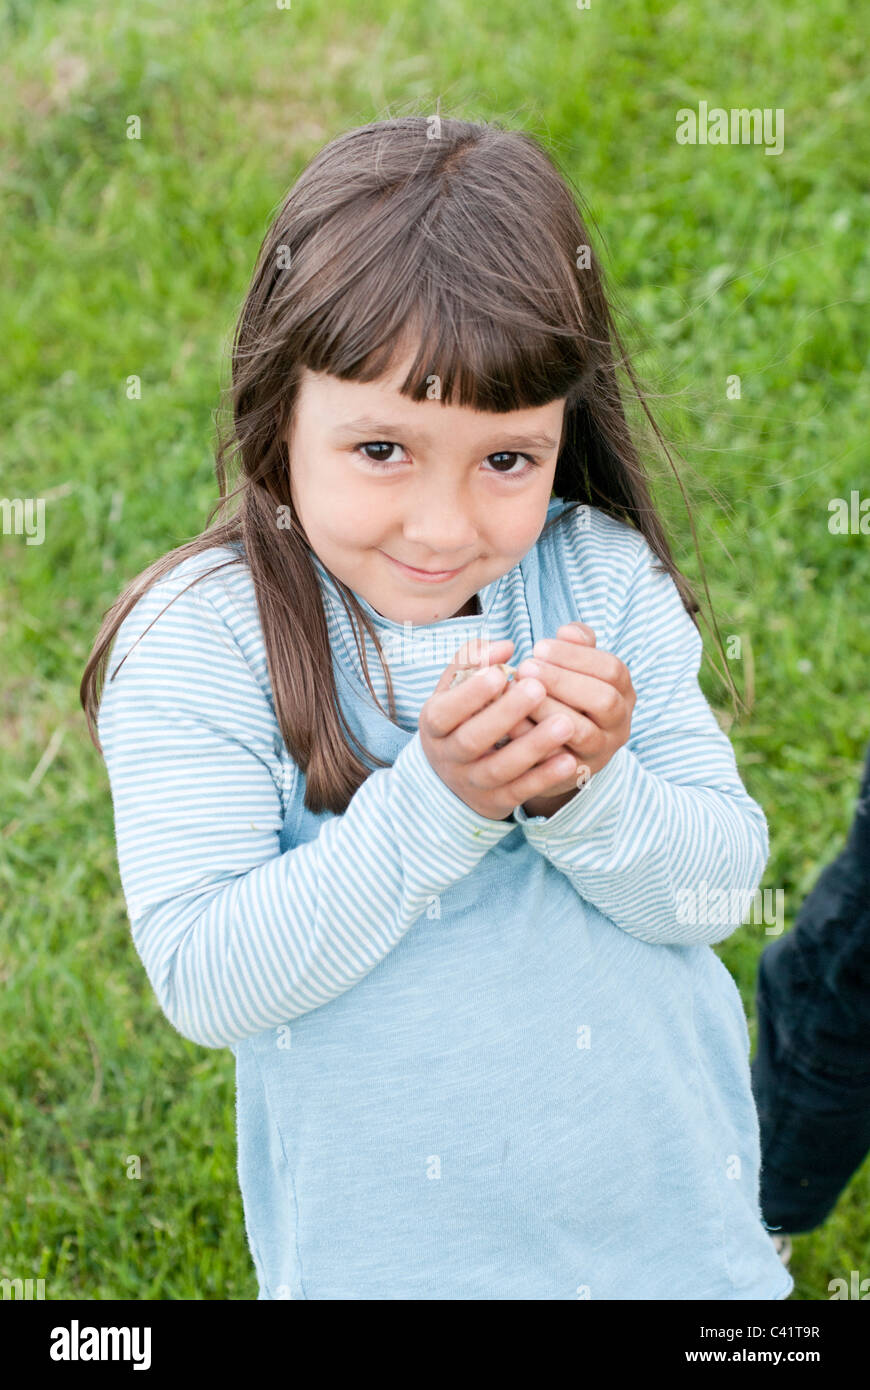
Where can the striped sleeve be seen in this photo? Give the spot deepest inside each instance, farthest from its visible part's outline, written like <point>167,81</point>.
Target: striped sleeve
<point>664,839</point>
<point>237,936</point>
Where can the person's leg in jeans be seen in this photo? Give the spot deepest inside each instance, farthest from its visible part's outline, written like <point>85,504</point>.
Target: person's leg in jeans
<point>811,1071</point>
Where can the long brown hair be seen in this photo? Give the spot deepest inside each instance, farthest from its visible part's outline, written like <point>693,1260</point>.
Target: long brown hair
<point>465,240</point>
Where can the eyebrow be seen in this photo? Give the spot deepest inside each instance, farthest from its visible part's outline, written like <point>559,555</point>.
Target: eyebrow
<point>374,429</point>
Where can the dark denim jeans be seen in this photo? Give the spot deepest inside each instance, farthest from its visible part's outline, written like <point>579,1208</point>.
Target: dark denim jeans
<point>811,1071</point>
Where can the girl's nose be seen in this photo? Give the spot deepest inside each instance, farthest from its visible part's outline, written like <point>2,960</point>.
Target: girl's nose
<point>442,530</point>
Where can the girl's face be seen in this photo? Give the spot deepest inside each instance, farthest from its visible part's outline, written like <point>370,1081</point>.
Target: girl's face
<point>382,483</point>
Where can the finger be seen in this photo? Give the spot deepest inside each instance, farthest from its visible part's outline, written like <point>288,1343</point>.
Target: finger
<point>577,632</point>
<point>585,696</point>
<point>523,727</point>
<point>577,656</point>
<point>547,766</point>
<point>447,709</point>
<point>477,735</point>
<point>518,757</point>
<point>567,668</point>
<point>475,652</point>
<point>482,651</point>
<point>542,779</point>
<point>538,782</point>
<point>586,735</point>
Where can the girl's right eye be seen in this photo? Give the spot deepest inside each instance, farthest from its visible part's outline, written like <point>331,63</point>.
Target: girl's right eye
<point>379,444</point>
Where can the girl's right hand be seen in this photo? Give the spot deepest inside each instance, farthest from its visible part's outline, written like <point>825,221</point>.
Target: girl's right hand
<point>459,727</point>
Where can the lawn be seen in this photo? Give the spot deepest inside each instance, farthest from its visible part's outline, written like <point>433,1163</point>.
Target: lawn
<point>130,257</point>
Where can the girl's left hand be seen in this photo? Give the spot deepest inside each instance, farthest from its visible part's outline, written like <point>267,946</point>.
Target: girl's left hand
<point>593,688</point>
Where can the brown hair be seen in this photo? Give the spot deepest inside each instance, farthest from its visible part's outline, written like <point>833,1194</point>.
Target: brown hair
<point>461,238</point>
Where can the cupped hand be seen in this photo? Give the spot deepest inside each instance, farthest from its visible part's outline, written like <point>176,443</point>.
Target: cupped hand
<point>460,727</point>
<point>592,687</point>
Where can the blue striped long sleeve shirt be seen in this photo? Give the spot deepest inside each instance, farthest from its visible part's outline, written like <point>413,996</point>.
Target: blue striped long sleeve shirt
<point>237,936</point>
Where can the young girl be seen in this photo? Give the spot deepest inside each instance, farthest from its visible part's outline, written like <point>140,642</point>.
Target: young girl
<point>483,1047</point>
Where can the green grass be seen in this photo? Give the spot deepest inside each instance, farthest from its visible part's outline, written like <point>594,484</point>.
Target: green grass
<point>132,257</point>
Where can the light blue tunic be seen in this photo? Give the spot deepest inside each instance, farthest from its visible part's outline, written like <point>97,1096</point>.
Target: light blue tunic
<point>475,1059</point>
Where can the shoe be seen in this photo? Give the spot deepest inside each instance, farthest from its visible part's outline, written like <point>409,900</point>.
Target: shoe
<point>782,1246</point>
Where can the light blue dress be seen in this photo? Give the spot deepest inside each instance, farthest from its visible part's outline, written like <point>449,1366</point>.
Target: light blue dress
<point>475,1059</point>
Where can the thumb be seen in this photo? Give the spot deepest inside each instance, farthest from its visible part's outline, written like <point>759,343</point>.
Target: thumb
<point>479,651</point>
<point>475,652</point>
<point>577,632</point>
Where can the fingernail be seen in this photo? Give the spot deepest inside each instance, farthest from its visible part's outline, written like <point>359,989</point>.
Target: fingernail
<point>530,668</point>
<point>562,727</point>
<point>533,688</point>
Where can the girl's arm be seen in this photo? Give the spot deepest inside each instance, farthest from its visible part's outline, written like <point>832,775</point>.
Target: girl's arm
<point>237,937</point>
<point>666,826</point>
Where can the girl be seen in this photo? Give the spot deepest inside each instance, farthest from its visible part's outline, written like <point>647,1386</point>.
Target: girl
<point>483,1047</point>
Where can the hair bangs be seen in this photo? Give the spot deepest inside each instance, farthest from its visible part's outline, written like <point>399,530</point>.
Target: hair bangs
<point>487,357</point>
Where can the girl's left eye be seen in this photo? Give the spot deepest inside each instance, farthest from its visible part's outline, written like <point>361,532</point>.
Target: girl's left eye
<point>507,454</point>
<point>380,444</point>
<point>510,453</point>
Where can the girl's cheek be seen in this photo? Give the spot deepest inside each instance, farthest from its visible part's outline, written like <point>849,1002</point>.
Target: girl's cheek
<point>359,520</point>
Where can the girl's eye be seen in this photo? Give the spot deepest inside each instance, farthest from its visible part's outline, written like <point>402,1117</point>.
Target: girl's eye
<point>380,444</point>
<point>516,473</point>
<point>384,462</point>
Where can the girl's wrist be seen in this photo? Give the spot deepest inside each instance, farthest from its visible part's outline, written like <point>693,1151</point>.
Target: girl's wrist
<point>548,805</point>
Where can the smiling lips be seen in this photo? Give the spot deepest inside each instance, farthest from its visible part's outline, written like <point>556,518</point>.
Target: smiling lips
<point>427,576</point>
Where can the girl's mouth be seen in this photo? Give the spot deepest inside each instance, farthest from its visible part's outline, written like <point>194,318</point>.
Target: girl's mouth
<point>425,576</point>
